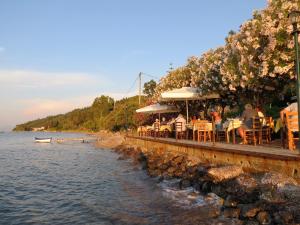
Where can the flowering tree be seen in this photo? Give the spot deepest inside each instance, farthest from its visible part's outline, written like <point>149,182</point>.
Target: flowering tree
<point>254,62</point>
<point>176,78</point>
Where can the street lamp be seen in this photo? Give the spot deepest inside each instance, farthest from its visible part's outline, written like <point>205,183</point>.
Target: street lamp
<point>294,18</point>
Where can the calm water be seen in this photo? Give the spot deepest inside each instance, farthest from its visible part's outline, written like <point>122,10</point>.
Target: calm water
<point>75,183</point>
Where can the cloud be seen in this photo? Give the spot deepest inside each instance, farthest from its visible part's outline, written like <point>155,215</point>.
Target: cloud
<point>2,49</point>
<point>42,107</point>
<point>36,79</point>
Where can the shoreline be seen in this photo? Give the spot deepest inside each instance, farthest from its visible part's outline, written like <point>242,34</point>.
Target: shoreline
<point>251,198</point>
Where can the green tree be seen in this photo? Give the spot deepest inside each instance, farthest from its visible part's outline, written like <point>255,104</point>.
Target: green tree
<point>149,88</point>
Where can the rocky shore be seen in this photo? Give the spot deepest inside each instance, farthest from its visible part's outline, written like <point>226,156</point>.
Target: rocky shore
<point>261,198</point>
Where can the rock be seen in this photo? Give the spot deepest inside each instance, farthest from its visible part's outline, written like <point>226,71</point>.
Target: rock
<point>177,160</point>
<point>202,171</point>
<point>171,170</point>
<point>184,183</point>
<point>251,222</point>
<point>249,210</point>
<point>206,187</point>
<point>247,182</point>
<point>264,218</point>
<point>219,190</point>
<point>214,213</point>
<point>283,217</point>
<point>277,179</point>
<point>231,212</point>
<point>230,202</point>
<point>196,186</point>
<point>290,193</point>
<point>224,173</point>
<point>273,196</point>
<point>123,157</point>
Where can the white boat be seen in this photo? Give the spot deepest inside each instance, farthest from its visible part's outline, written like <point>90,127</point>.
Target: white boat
<point>43,140</point>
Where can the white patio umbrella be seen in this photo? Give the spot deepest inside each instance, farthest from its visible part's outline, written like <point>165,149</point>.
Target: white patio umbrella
<point>158,108</point>
<point>186,94</point>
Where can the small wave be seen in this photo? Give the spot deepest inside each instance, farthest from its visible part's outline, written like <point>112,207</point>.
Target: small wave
<point>188,197</point>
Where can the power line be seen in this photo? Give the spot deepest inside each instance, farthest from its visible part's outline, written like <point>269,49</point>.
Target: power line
<point>132,85</point>
<point>149,75</point>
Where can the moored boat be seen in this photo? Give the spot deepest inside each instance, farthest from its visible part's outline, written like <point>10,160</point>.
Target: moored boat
<point>43,140</point>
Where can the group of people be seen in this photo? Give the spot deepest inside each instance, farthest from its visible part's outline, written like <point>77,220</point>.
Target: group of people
<point>246,118</point>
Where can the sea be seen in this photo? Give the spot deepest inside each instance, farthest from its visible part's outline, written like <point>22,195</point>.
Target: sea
<point>77,183</point>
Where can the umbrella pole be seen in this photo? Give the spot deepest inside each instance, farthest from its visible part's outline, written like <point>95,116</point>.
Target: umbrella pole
<point>159,117</point>
<point>187,110</point>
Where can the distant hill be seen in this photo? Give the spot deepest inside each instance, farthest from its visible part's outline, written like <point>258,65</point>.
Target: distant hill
<point>104,113</point>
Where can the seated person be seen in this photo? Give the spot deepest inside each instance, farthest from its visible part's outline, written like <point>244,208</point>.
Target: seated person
<point>182,120</point>
<point>156,124</point>
<point>201,115</point>
<point>163,121</point>
<point>193,120</point>
<point>261,115</point>
<point>217,119</point>
<point>247,116</point>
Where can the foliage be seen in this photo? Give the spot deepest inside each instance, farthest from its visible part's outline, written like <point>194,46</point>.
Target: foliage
<point>149,88</point>
<point>100,115</point>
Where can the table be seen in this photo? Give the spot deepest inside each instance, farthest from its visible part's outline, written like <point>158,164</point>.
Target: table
<point>231,125</point>
<point>194,128</point>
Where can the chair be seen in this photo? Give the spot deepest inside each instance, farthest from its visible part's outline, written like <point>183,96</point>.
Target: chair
<point>165,133</point>
<point>291,125</point>
<point>221,135</point>
<point>267,129</point>
<point>156,129</point>
<point>254,134</point>
<point>180,131</point>
<point>202,131</point>
<point>195,127</point>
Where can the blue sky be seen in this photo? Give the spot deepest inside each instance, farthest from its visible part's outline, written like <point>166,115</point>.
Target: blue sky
<point>56,55</point>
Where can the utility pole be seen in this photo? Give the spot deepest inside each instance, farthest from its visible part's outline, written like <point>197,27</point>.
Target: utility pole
<point>140,87</point>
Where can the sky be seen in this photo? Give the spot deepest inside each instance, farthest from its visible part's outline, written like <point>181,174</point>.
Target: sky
<point>58,55</point>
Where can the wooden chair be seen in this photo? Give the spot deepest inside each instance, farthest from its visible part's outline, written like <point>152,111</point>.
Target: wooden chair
<point>165,133</point>
<point>254,135</point>
<point>221,135</point>
<point>156,129</point>
<point>195,126</point>
<point>291,125</point>
<point>203,132</point>
<point>180,131</point>
<point>267,129</point>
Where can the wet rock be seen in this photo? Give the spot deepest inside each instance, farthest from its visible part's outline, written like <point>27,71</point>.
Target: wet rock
<point>277,179</point>
<point>283,217</point>
<point>231,212</point>
<point>218,190</point>
<point>123,157</point>
<point>202,171</point>
<point>196,186</point>
<point>249,210</point>
<point>224,173</point>
<point>290,193</point>
<point>184,183</point>
<point>273,196</point>
<point>264,218</point>
<point>230,202</point>
<point>206,187</point>
<point>214,213</point>
<point>251,222</point>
